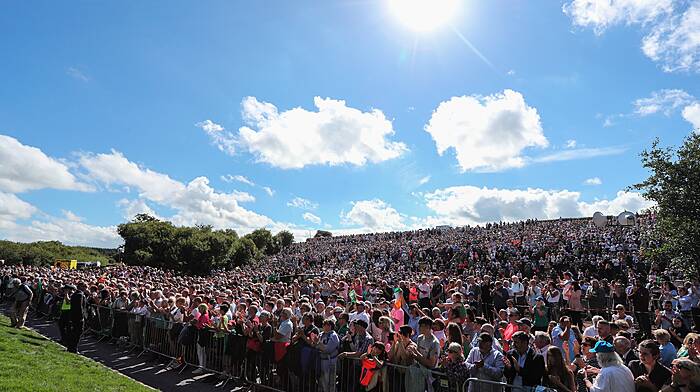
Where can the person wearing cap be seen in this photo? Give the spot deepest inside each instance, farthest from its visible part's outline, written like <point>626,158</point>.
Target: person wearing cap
<point>613,376</point>
<point>523,365</point>
<point>562,334</point>
<point>328,345</point>
<point>486,363</point>
<point>358,343</point>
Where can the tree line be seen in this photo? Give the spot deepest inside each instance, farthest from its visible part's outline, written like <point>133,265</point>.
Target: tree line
<point>197,249</point>
<point>47,252</point>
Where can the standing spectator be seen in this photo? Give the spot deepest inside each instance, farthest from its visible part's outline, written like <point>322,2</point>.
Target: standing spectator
<point>328,344</point>
<point>523,365</point>
<point>486,363</point>
<point>640,301</point>
<point>564,338</point>
<point>426,354</point>
<point>21,296</point>
<point>623,347</point>
<point>597,302</point>
<point>686,377</point>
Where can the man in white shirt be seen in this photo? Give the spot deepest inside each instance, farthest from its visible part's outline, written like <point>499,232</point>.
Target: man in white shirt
<point>614,376</point>
<point>359,313</point>
<point>424,293</point>
<point>517,290</point>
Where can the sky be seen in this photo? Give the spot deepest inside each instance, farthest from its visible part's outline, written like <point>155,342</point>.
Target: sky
<point>350,116</point>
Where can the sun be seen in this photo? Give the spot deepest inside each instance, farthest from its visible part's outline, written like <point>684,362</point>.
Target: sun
<point>423,15</point>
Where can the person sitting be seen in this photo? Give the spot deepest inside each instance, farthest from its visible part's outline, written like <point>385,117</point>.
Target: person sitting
<point>623,347</point>
<point>649,373</point>
<point>558,374</point>
<point>668,350</point>
<point>614,376</point>
<point>523,365</point>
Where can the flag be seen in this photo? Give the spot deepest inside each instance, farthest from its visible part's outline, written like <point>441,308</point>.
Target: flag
<point>353,296</point>
<point>398,296</point>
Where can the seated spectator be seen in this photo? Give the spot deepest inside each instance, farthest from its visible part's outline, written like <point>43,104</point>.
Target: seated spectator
<point>623,347</point>
<point>586,363</point>
<point>649,373</point>
<point>614,376</point>
<point>668,350</point>
<point>558,374</point>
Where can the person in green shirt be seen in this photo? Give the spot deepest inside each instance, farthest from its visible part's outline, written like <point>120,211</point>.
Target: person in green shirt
<point>539,312</point>
<point>342,327</point>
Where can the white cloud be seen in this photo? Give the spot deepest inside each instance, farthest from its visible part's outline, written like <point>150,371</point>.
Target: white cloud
<point>580,153</point>
<point>462,205</point>
<point>24,168</point>
<point>375,215</point>
<point>672,27</point>
<point>194,203</point>
<point>243,197</point>
<point>511,72</point>
<point>65,230</point>
<point>309,217</point>
<point>13,208</point>
<point>131,208</point>
<point>675,43</point>
<point>487,133</point>
<point>601,14</point>
<point>77,74</point>
<point>691,113</point>
<point>571,143</point>
<point>593,181</point>
<point>238,178</point>
<point>335,134</point>
<point>223,140</point>
<point>304,204</point>
<point>664,101</point>
<point>270,192</point>
<point>424,180</point>
<point>71,216</point>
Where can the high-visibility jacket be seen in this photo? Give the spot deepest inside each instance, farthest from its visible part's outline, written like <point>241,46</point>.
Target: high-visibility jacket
<point>65,305</point>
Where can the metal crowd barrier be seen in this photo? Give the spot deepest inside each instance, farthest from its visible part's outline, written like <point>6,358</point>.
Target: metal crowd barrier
<point>478,385</point>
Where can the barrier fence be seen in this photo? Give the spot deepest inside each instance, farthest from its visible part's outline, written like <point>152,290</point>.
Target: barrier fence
<point>477,385</point>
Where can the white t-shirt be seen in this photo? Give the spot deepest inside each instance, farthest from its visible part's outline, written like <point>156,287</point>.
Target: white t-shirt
<point>359,316</point>
<point>423,290</point>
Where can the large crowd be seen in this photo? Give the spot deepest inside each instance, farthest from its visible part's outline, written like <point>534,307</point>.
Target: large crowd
<point>563,304</point>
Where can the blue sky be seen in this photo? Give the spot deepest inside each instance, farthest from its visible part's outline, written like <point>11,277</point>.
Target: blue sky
<point>333,115</point>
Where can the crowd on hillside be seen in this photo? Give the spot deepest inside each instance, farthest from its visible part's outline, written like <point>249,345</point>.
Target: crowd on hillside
<point>564,304</point>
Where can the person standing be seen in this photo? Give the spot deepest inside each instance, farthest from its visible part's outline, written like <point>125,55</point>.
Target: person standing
<point>523,365</point>
<point>21,298</point>
<point>76,315</point>
<point>328,345</point>
<point>640,300</point>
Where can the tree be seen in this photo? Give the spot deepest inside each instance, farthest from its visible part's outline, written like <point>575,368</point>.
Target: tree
<point>323,233</point>
<point>284,238</point>
<point>264,241</point>
<point>243,252</point>
<point>674,184</point>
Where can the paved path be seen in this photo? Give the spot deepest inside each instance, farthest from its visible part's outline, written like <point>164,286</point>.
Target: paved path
<point>147,368</point>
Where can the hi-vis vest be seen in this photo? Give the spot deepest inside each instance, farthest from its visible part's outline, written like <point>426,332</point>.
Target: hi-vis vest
<point>65,306</point>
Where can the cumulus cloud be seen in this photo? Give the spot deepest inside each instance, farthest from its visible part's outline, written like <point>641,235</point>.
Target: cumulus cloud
<point>374,215</point>
<point>672,28</point>
<point>68,231</point>
<point>424,180</point>
<point>131,208</point>
<point>195,202</point>
<point>691,113</point>
<point>335,134</point>
<point>571,143</point>
<point>464,205</point>
<point>593,181</point>
<point>270,192</point>
<point>309,217</point>
<point>487,133</point>
<point>664,101</point>
<point>301,203</point>
<point>24,168</point>
<point>13,208</point>
<point>223,140</point>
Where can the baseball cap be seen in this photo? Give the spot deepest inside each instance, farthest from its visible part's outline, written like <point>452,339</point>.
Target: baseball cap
<point>602,347</point>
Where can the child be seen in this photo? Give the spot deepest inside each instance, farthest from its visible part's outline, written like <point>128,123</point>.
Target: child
<point>371,364</point>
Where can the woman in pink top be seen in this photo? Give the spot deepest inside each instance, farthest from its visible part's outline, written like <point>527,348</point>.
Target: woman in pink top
<point>201,322</point>
<point>575,307</point>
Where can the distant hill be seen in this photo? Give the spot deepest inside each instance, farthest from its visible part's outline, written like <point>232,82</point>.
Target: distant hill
<point>46,252</point>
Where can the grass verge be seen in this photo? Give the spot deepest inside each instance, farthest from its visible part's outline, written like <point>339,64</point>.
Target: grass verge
<point>30,362</point>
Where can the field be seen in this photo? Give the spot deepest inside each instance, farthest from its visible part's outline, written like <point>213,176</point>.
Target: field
<point>30,362</point>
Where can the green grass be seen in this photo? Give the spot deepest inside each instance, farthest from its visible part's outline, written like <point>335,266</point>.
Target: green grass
<point>30,362</point>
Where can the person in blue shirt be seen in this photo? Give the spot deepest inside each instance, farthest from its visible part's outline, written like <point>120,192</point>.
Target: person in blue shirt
<point>668,350</point>
<point>561,334</point>
<point>328,344</point>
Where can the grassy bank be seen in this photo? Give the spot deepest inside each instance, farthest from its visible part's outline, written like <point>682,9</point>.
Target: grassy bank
<point>30,362</point>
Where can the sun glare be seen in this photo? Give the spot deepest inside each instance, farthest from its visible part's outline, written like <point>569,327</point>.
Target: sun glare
<point>423,15</point>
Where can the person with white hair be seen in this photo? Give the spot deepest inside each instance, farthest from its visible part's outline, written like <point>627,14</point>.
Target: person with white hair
<point>614,376</point>
<point>592,330</point>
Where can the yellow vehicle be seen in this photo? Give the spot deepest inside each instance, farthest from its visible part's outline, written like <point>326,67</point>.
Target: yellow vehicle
<point>66,264</point>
